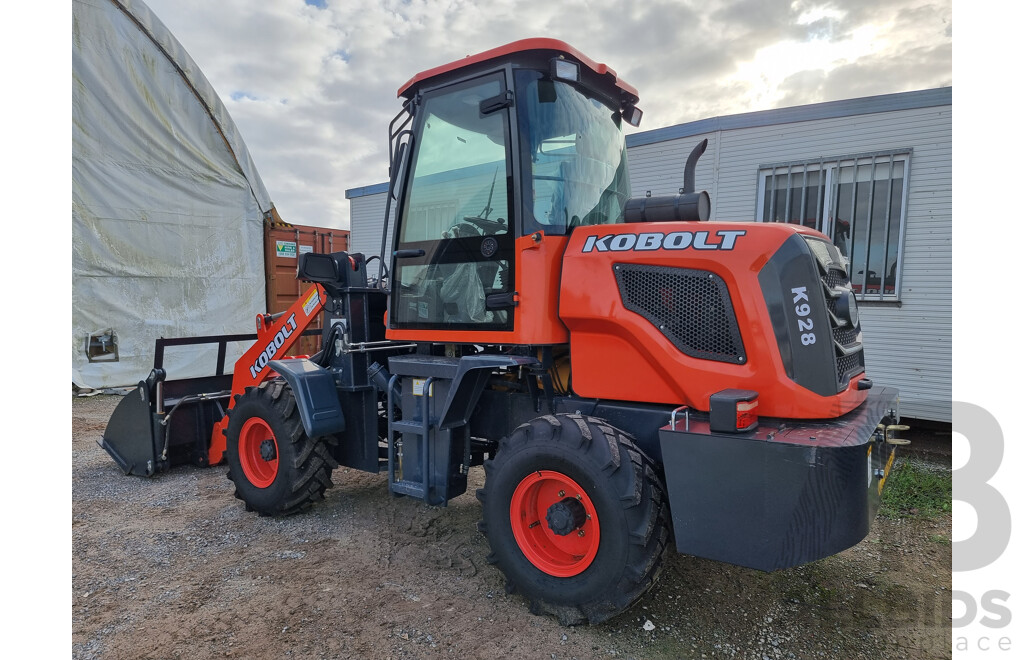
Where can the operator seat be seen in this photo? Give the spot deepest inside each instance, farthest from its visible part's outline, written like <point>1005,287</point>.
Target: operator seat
<point>465,287</point>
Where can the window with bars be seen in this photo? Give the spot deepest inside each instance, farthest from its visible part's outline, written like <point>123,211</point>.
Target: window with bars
<point>858,201</point>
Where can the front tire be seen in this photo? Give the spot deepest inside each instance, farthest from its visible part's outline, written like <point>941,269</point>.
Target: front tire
<point>277,469</point>
<point>575,516</point>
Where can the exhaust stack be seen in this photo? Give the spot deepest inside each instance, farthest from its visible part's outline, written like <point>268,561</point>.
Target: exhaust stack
<point>687,205</point>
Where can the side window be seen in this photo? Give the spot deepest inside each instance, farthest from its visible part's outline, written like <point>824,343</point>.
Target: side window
<point>857,201</point>
<point>455,232</point>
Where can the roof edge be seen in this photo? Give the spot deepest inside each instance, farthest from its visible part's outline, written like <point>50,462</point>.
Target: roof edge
<point>828,110</point>
<point>363,191</point>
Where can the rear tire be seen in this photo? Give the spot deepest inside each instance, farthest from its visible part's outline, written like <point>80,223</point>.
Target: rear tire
<point>277,469</point>
<point>575,516</point>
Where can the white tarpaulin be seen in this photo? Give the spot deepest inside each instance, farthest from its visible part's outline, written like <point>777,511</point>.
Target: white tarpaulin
<point>167,206</point>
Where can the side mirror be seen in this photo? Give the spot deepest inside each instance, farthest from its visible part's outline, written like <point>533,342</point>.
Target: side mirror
<point>318,268</point>
<point>334,271</point>
<point>632,115</point>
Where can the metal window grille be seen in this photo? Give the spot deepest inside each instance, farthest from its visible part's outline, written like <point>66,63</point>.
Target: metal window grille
<point>858,201</point>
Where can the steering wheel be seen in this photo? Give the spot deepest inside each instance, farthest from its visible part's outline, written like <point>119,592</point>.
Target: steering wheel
<point>486,226</point>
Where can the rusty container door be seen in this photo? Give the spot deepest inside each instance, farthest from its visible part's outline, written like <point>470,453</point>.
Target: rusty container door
<point>283,243</point>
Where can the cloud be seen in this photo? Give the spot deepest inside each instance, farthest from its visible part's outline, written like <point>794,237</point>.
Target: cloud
<point>312,85</point>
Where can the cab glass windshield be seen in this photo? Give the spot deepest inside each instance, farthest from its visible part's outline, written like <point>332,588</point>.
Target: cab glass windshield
<point>573,153</point>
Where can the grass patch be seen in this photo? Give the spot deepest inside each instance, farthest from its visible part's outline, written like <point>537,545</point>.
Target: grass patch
<point>916,491</point>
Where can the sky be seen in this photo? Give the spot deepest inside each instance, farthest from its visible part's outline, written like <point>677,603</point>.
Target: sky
<point>312,84</point>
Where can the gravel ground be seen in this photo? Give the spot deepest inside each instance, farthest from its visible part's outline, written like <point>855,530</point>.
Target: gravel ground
<point>175,567</point>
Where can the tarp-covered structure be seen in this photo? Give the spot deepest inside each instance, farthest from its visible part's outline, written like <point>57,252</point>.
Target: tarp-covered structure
<point>167,205</point>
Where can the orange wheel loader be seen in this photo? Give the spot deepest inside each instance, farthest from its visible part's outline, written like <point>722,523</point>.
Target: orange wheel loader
<point>629,374</point>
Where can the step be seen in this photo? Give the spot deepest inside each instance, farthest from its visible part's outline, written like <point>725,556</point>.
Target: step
<point>410,488</point>
<point>407,426</point>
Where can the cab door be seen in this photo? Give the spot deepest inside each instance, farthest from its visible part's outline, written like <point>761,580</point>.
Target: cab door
<point>453,264</point>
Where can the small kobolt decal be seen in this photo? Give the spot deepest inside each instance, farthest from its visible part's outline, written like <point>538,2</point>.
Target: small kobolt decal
<point>273,346</point>
<point>723,239</point>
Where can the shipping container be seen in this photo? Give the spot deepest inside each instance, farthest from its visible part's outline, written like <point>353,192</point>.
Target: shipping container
<point>283,243</point>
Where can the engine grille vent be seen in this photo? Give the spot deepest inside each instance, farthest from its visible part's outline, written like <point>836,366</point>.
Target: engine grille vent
<point>848,366</point>
<point>691,308</point>
<point>849,349</point>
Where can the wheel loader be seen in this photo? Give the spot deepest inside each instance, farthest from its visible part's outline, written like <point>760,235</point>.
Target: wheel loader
<point>629,374</point>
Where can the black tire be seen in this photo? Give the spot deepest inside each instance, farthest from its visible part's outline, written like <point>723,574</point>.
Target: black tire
<point>300,470</point>
<point>622,490</point>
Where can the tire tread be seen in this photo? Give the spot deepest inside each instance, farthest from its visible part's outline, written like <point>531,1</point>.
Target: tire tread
<point>309,473</point>
<point>638,489</point>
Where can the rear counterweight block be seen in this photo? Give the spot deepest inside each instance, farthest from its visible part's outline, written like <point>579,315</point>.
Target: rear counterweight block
<point>785,494</point>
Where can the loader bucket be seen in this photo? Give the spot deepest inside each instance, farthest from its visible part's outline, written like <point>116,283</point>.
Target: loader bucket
<point>128,437</point>
<point>165,423</point>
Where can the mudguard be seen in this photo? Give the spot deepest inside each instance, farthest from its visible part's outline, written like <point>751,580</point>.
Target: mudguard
<point>468,383</point>
<point>315,394</point>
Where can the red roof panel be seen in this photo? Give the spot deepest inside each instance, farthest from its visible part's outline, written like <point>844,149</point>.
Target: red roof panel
<point>517,47</point>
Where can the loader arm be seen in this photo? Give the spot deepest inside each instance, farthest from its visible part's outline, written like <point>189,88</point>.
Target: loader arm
<point>276,334</point>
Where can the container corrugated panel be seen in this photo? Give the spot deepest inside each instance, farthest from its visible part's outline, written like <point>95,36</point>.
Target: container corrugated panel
<point>282,244</point>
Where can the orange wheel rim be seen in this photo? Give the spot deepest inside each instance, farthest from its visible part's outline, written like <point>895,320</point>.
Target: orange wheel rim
<point>257,452</point>
<point>560,555</point>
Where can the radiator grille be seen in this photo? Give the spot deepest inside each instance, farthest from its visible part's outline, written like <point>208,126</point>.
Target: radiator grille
<point>848,366</point>
<point>691,308</point>
<point>847,338</point>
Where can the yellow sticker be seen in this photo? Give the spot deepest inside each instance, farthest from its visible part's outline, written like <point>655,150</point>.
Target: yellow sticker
<point>311,302</point>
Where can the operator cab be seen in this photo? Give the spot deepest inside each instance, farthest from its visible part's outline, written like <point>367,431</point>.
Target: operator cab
<point>509,150</point>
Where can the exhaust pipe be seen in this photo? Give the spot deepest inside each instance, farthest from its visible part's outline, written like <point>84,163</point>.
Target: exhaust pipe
<point>690,171</point>
<point>687,205</point>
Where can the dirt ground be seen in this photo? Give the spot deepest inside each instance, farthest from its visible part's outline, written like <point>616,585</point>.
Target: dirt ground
<point>174,567</point>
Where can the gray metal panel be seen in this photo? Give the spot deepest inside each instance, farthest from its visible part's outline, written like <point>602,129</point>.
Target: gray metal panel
<point>782,495</point>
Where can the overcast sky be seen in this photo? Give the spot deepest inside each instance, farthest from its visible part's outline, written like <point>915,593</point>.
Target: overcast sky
<point>312,84</point>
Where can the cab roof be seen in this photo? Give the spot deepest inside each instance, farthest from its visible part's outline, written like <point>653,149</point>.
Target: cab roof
<point>409,88</point>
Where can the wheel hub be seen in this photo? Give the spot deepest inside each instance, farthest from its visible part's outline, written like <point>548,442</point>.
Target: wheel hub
<point>257,452</point>
<point>565,516</point>
<point>569,542</point>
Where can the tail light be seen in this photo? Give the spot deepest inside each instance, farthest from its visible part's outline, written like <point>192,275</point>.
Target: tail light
<point>733,411</point>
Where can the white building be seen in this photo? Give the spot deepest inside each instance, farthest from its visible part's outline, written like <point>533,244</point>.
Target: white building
<point>874,173</point>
